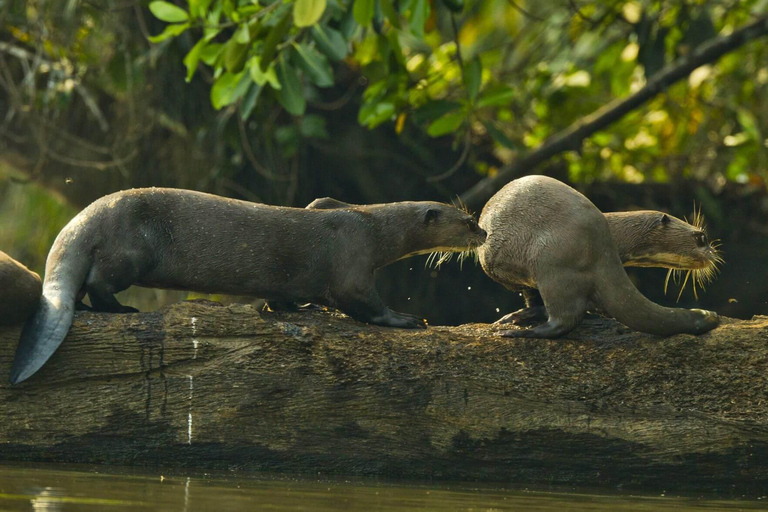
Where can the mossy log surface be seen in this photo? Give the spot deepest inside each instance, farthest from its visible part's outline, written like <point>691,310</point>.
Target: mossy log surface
<point>208,386</point>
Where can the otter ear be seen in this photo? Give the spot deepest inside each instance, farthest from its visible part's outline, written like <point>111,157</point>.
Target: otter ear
<point>431,215</point>
<point>663,220</point>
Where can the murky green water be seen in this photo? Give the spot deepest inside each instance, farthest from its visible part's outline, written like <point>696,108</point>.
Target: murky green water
<point>65,488</point>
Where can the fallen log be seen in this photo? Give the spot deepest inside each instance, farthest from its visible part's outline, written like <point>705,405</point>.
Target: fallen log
<point>208,386</point>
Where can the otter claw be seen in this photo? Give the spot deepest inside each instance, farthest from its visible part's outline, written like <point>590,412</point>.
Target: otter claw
<point>524,315</point>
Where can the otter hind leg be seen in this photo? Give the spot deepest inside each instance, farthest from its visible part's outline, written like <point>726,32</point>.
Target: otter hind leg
<point>102,291</point>
<point>566,301</point>
<point>105,302</point>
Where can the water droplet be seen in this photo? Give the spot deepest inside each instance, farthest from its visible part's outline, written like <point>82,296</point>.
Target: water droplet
<point>469,287</point>
<point>497,310</point>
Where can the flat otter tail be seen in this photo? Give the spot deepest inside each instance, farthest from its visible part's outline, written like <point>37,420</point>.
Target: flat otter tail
<point>41,336</point>
<point>619,297</point>
<point>44,331</point>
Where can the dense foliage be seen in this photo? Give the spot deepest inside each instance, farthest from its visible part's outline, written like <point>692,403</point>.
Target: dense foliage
<point>516,73</point>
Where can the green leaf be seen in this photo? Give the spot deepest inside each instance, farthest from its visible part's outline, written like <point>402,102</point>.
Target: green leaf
<point>166,11</point>
<point>193,57</point>
<point>249,102</point>
<point>313,126</point>
<point>170,31</point>
<point>274,37</point>
<point>290,95</point>
<point>473,75</point>
<point>242,34</point>
<point>363,11</point>
<point>749,123</point>
<point>235,55</point>
<point>263,77</point>
<point>499,136</point>
<point>373,114</point>
<point>315,65</point>
<point>419,16</point>
<point>388,8</point>
<point>448,123</point>
<point>210,53</point>
<point>229,88</point>
<point>434,109</point>
<point>308,12</point>
<point>497,97</point>
<point>330,42</point>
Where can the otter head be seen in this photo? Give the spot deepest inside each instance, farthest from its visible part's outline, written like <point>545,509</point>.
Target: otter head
<point>450,230</point>
<point>657,239</point>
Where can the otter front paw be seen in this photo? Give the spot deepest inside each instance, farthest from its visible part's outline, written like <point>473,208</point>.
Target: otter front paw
<point>401,320</point>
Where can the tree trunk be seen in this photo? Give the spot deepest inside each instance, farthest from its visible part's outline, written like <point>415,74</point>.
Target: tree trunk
<point>204,385</point>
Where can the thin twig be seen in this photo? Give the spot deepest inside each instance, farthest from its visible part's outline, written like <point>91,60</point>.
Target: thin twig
<point>533,17</point>
<point>263,171</point>
<point>464,154</point>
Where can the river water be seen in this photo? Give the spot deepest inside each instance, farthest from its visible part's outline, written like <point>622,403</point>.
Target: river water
<point>55,487</point>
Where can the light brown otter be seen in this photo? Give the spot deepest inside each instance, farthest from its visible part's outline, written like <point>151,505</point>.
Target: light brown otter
<point>21,289</point>
<point>544,234</point>
<point>185,240</point>
<point>647,238</point>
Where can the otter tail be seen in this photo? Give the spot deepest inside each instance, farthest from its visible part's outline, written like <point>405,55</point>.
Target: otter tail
<point>48,326</point>
<point>619,297</point>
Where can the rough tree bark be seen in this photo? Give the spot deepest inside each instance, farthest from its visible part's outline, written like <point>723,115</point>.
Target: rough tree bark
<point>203,385</point>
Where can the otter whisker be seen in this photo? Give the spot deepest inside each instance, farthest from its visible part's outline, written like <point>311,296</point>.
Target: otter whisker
<point>687,275</point>
<point>666,281</point>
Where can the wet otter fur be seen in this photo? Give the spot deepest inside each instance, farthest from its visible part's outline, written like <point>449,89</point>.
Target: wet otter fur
<point>185,240</point>
<point>544,234</point>
<point>20,290</point>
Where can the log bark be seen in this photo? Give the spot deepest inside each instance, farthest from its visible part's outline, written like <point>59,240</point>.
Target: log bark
<point>209,386</point>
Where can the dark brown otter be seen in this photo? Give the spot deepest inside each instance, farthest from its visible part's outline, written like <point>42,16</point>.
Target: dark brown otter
<point>21,289</point>
<point>647,238</point>
<point>185,240</point>
<point>543,234</point>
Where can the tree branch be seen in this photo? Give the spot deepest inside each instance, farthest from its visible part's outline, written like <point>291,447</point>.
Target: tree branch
<point>571,137</point>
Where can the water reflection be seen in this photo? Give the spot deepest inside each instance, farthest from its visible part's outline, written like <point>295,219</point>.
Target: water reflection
<point>48,500</point>
<point>65,488</point>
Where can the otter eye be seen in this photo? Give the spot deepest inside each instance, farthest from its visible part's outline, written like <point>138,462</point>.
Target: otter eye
<point>701,239</point>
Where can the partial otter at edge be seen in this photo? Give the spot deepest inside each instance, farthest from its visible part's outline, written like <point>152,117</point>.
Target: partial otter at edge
<point>543,234</point>
<point>20,291</point>
<point>185,240</point>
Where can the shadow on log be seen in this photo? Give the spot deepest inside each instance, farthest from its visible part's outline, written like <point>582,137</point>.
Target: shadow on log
<point>208,386</point>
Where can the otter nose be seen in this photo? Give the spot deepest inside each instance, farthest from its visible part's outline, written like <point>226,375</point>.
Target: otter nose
<point>482,232</point>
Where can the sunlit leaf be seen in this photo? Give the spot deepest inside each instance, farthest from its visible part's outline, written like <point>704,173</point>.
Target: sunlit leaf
<point>263,77</point>
<point>447,124</point>
<point>170,31</point>
<point>168,12</point>
<point>308,12</point>
<point>363,11</point>
<point>228,88</point>
<point>193,57</point>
